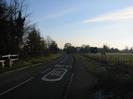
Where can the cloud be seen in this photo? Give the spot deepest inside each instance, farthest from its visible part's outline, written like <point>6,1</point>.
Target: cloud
<point>123,14</point>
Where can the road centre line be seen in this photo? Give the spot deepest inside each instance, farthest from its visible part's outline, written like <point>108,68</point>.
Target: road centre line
<point>20,84</point>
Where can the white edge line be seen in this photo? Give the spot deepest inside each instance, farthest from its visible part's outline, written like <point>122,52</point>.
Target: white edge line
<point>33,65</point>
<point>10,89</point>
<point>22,69</point>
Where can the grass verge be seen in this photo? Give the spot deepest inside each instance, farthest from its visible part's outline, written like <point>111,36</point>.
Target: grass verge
<point>29,62</point>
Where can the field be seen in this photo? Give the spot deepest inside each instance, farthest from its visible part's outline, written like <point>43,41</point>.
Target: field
<point>114,71</point>
<point>120,65</point>
<point>114,58</point>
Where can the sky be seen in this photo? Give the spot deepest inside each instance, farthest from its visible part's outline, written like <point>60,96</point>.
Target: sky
<point>90,22</point>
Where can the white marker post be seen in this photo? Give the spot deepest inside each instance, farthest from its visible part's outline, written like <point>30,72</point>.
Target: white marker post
<point>9,58</point>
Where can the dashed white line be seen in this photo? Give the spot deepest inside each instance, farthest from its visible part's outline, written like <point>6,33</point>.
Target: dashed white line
<point>10,89</point>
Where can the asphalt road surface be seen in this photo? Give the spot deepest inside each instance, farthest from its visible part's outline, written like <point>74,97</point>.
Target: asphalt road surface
<point>63,78</point>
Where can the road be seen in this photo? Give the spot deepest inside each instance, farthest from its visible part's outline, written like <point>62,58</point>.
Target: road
<point>63,78</point>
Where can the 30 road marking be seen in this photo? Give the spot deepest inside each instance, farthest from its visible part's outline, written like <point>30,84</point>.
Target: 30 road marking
<point>10,89</point>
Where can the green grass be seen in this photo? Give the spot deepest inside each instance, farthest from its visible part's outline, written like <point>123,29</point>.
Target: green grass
<point>29,62</point>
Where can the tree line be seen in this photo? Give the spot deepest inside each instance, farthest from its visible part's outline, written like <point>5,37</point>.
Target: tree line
<point>18,36</point>
<point>68,48</point>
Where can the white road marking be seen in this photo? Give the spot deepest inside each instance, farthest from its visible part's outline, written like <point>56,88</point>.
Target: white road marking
<point>58,65</point>
<point>54,73</point>
<point>68,66</point>
<point>68,87</point>
<point>63,66</point>
<point>10,89</point>
<point>22,69</point>
<point>46,70</point>
<point>36,64</point>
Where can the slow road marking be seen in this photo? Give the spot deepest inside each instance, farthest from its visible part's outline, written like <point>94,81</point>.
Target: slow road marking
<point>55,75</point>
